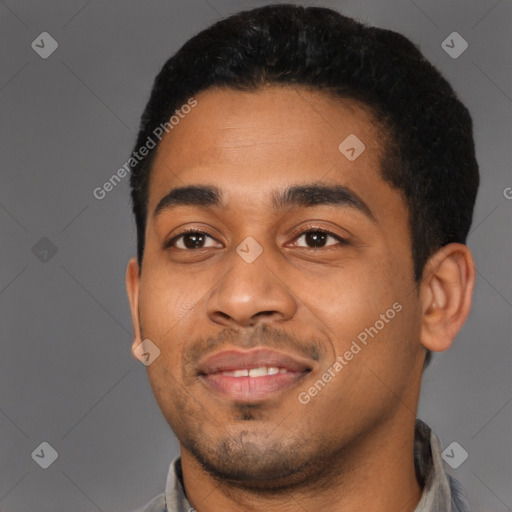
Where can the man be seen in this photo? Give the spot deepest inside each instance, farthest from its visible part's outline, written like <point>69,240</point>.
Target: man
<point>301,227</point>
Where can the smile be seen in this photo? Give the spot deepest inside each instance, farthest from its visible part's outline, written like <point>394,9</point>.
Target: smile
<point>253,375</point>
<point>255,372</point>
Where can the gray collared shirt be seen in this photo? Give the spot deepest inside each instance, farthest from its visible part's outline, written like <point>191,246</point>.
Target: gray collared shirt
<point>441,492</point>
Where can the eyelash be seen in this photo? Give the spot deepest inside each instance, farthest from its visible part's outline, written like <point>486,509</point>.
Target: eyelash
<point>315,229</point>
<point>296,235</point>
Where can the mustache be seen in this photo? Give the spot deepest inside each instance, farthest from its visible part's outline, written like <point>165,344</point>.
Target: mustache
<point>263,336</point>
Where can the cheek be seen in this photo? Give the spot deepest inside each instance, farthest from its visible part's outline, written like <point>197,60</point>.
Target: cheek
<point>170,306</point>
<point>353,296</point>
<point>372,303</point>
<point>166,300</point>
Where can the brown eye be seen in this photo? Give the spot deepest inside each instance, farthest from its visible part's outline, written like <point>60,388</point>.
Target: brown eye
<point>192,240</point>
<point>319,238</point>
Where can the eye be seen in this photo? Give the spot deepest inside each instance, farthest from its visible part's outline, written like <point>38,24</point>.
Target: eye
<point>319,238</point>
<point>192,239</point>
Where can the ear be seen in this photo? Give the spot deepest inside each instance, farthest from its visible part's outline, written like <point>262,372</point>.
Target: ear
<point>446,290</point>
<point>132,288</point>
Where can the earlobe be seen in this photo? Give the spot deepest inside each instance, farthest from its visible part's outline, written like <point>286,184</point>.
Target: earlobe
<point>446,290</point>
<point>132,289</point>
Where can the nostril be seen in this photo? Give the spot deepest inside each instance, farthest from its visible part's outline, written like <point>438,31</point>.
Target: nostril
<point>266,314</point>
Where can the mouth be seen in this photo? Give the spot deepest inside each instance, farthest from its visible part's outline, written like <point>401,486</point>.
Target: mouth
<point>254,375</point>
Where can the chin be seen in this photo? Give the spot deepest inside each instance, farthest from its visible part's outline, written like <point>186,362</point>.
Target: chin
<point>252,465</point>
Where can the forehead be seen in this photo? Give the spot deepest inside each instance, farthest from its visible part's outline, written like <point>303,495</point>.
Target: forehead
<point>263,139</point>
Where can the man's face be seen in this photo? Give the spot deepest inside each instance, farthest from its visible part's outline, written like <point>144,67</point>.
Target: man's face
<point>309,282</point>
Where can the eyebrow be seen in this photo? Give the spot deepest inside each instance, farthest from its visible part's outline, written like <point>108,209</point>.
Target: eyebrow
<point>295,196</point>
<point>190,195</point>
<point>320,194</point>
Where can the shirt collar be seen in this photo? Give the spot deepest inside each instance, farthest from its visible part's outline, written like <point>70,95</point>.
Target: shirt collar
<point>441,492</point>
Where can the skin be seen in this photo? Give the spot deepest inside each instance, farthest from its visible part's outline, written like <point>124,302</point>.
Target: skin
<point>351,446</point>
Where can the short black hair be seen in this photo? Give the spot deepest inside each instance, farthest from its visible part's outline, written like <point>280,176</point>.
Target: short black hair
<point>429,154</point>
<point>431,158</point>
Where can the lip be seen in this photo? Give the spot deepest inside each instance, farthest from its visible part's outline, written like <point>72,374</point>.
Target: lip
<point>249,389</point>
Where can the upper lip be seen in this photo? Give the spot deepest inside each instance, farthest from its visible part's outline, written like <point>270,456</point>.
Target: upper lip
<point>229,360</point>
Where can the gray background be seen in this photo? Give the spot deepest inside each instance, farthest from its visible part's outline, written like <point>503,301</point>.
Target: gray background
<point>68,122</point>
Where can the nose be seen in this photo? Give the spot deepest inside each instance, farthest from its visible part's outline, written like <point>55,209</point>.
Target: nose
<point>251,293</point>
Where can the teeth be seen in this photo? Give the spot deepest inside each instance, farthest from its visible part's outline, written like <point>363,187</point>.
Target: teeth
<point>262,371</point>
<point>237,373</point>
<point>258,372</point>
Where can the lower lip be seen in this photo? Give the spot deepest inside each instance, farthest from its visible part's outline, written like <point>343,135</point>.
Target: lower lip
<point>251,388</point>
